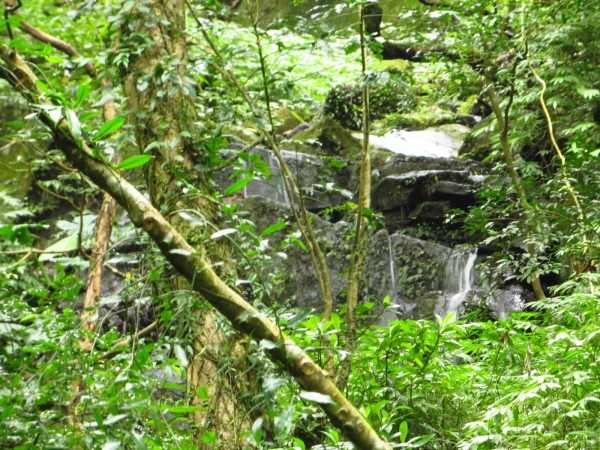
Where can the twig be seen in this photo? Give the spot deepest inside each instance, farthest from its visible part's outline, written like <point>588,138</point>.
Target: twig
<point>123,342</point>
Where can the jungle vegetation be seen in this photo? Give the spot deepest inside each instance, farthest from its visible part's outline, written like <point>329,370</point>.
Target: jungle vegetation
<point>120,110</point>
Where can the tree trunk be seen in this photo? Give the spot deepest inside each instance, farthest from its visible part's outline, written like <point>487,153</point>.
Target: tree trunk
<point>162,110</point>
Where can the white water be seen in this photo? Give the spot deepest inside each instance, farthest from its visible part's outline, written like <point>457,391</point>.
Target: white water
<point>458,280</point>
<point>429,143</point>
<point>393,291</point>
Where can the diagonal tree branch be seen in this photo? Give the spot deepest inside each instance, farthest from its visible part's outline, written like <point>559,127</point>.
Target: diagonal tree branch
<point>55,42</point>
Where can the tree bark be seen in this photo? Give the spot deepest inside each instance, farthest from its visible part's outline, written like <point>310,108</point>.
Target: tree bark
<point>159,96</point>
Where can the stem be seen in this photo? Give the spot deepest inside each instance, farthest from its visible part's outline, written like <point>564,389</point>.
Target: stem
<point>356,268</point>
<point>512,172</point>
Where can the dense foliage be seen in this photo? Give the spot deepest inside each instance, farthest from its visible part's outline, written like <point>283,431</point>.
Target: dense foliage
<point>527,381</point>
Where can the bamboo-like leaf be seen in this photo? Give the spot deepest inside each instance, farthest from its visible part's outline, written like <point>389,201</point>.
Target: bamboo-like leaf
<point>83,92</point>
<point>224,232</point>
<point>133,162</point>
<point>317,397</point>
<point>274,228</point>
<point>238,185</point>
<point>109,127</point>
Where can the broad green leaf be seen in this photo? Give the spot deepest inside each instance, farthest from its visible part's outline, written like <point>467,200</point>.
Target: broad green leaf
<point>421,440</point>
<point>134,162</point>
<point>202,392</point>
<point>67,244</point>
<point>299,443</point>
<point>208,437</point>
<point>83,92</point>
<point>180,251</point>
<point>272,384</point>
<point>238,185</point>
<point>111,445</point>
<point>351,48</point>
<point>74,126</point>
<point>14,124</point>
<point>181,409</point>
<point>139,441</point>
<point>299,318</point>
<point>192,219</point>
<point>266,344</point>
<point>403,431</point>
<point>113,419</point>
<point>108,128</point>
<point>53,59</point>
<point>274,228</point>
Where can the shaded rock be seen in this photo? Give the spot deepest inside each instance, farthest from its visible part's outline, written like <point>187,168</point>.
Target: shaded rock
<point>430,211</point>
<point>398,190</point>
<point>271,187</point>
<point>295,272</point>
<point>503,302</point>
<point>449,190</point>
<point>326,138</point>
<point>399,164</point>
<point>419,265</point>
<point>322,181</point>
<point>478,144</point>
<point>425,306</point>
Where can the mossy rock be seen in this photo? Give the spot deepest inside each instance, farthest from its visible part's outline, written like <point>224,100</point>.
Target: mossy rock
<point>288,120</point>
<point>423,118</point>
<point>344,103</point>
<point>326,138</point>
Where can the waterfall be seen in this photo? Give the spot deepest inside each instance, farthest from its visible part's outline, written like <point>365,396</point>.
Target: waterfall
<point>458,280</point>
<point>393,290</point>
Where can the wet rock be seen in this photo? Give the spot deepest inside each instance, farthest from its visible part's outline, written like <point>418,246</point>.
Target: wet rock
<point>398,190</point>
<point>430,211</point>
<point>459,193</point>
<point>503,302</point>
<point>322,181</point>
<point>478,144</point>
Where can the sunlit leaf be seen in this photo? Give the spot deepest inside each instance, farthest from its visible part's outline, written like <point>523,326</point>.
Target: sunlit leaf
<point>133,162</point>
<point>108,128</point>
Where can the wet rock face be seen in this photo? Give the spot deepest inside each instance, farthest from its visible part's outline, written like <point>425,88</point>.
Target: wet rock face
<point>413,190</point>
<point>323,182</point>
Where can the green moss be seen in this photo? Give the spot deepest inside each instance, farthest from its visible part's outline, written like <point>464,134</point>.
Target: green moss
<point>287,119</point>
<point>326,138</point>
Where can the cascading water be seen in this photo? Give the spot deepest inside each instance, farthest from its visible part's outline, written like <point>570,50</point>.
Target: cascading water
<point>393,290</point>
<point>458,280</point>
